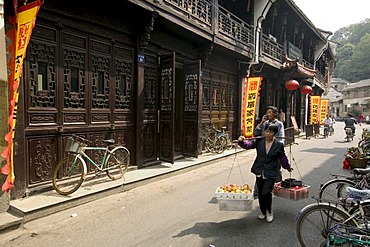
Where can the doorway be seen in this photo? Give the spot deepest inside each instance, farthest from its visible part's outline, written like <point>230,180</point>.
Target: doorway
<point>179,110</point>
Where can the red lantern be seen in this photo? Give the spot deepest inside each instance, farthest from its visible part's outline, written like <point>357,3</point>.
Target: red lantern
<point>291,85</point>
<point>306,89</point>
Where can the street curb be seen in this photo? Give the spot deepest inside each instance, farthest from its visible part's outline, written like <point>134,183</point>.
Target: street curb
<point>21,212</point>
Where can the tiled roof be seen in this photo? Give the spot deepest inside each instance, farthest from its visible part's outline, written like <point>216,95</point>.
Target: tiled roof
<point>363,83</point>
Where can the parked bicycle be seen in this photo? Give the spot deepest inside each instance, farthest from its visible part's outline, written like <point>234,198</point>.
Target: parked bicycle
<point>70,172</point>
<point>364,144</point>
<point>346,235</point>
<point>316,221</point>
<point>335,189</point>
<point>216,141</point>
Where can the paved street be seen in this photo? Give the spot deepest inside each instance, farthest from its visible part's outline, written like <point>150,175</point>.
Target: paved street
<point>182,211</point>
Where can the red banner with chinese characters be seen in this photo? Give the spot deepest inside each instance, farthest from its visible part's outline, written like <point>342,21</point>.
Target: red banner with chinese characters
<point>23,23</point>
<point>323,109</point>
<point>250,97</point>
<point>315,109</point>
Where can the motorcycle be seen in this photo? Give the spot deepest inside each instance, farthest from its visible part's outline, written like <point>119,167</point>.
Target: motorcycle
<point>349,134</point>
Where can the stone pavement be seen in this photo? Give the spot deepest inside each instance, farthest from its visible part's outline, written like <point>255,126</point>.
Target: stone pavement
<point>46,203</point>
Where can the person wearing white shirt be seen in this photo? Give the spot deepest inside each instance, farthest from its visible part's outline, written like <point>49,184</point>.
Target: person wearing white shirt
<point>327,124</point>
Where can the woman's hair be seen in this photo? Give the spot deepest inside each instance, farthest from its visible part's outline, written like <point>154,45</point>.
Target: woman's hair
<point>272,127</point>
<point>274,110</point>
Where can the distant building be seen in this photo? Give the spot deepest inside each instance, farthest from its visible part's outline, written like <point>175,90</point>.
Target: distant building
<point>335,101</point>
<point>356,97</point>
<point>339,83</point>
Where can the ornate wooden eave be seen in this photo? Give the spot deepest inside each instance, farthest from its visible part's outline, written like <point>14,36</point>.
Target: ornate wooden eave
<point>295,66</point>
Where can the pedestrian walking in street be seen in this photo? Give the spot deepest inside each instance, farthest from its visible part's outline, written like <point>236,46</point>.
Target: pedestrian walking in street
<point>360,118</point>
<point>270,117</point>
<point>266,166</point>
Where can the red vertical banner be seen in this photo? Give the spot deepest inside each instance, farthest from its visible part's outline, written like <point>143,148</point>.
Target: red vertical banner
<point>324,109</point>
<point>23,23</point>
<point>250,97</point>
<point>315,109</point>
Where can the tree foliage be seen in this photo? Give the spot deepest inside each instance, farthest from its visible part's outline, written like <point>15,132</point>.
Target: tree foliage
<point>353,52</point>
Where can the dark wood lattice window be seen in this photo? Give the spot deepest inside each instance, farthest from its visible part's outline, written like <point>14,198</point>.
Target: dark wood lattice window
<point>100,82</point>
<point>123,85</point>
<point>224,96</point>
<point>150,87</point>
<point>74,79</point>
<point>42,75</point>
<point>166,89</point>
<point>206,98</point>
<point>215,94</point>
<point>123,80</point>
<point>232,96</point>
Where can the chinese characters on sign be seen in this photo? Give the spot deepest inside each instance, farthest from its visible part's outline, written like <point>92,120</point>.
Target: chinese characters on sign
<point>315,109</point>
<point>24,21</point>
<point>323,109</point>
<point>250,97</point>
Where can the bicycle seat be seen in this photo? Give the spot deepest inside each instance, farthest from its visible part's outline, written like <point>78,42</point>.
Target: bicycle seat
<point>109,141</point>
<point>361,171</point>
<point>357,194</point>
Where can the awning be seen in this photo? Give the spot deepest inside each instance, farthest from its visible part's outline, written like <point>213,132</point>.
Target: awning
<point>301,71</point>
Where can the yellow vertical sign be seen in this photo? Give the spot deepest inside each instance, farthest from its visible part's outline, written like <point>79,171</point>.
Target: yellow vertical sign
<point>24,21</point>
<point>324,109</point>
<point>315,109</point>
<point>250,97</point>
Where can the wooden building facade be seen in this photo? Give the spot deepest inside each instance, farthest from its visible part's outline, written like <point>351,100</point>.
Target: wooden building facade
<point>149,74</point>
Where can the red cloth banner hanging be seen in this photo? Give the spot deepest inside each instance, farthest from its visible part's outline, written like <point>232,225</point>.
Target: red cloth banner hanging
<point>250,97</point>
<point>315,109</point>
<point>23,23</point>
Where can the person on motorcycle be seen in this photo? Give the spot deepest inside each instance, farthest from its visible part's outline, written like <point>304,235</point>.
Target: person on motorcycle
<point>350,123</point>
<point>327,124</point>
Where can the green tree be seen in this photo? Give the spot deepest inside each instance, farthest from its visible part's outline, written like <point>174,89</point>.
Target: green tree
<point>353,52</point>
<point>361,58</point>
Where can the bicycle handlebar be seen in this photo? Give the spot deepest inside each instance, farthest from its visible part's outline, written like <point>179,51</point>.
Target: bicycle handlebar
<point>81,138</point>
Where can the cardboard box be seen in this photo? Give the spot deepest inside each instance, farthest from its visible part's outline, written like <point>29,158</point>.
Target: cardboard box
<point>294,194</point>
<point>234,201</point>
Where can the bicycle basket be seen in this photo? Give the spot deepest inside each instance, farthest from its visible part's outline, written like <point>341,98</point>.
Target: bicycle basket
<point>73,146</point>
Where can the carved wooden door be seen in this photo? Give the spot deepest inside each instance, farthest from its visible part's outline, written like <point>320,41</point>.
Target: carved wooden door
<point>167,108</point>
<point>192,107</point>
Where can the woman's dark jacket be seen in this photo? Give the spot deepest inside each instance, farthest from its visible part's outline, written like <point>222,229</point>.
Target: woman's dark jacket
<point>266,163</point>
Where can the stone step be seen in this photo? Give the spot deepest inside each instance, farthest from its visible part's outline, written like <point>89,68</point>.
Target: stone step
<point>9,222</point>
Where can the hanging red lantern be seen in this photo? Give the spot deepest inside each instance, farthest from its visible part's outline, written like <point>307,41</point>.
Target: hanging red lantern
<point>291,85</point>
<point>306,89</point>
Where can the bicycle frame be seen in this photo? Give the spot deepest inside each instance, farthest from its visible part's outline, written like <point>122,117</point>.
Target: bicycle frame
<point>84,156</point>
<point>361,180</point>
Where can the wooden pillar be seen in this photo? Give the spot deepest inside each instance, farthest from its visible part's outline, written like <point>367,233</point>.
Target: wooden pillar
<point>139,99</point>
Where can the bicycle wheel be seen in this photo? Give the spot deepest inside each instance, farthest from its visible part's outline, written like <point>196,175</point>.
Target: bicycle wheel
<point>117,162</point>
<point>209,144</point>
<point>69,174</point>
<point>326,132</point>
<point>315,220</point>
<point>220,144</point>
<point>229,144</point>
<point>334,189</point>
